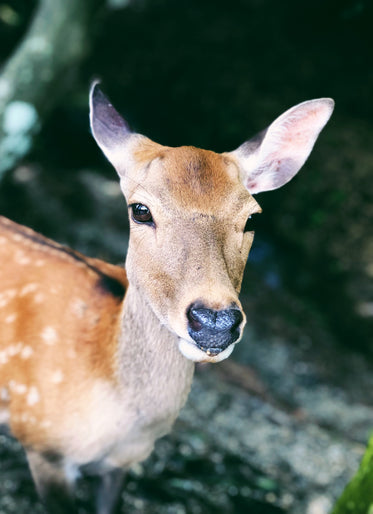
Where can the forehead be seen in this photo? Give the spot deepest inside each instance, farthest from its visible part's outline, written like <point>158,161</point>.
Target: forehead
<point>195,179</point>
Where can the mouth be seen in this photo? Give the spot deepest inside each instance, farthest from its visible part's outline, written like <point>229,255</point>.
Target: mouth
<point>193,352</point>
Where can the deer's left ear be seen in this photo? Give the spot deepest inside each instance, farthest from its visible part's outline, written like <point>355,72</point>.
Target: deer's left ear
<point>273,157</point>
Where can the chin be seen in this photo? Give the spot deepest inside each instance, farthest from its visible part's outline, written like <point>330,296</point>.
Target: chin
<point>192,352</point>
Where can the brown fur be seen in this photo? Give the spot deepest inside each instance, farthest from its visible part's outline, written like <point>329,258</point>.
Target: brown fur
<point>45,352</point>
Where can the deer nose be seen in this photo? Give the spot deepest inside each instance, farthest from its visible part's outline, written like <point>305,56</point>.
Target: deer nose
<point>213,330</point>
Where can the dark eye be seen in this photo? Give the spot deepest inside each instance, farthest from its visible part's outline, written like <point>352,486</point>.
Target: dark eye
<point>250,224</point>
<point>141,213</point>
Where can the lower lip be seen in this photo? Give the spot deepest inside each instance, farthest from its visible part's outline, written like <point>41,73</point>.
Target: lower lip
<point>193,353</point>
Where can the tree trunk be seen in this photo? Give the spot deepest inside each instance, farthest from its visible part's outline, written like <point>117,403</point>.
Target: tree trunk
<point>35,75</point>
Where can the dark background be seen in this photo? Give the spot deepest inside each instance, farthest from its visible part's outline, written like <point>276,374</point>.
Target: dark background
<point>211,74</point>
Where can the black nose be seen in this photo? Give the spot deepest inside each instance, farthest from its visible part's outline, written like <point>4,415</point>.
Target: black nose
<point>212,330</point>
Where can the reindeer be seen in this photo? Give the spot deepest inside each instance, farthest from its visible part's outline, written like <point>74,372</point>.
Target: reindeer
<point>97,361</point>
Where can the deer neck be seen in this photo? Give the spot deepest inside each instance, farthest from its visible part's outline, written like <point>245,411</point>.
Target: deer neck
<point>150,362</point>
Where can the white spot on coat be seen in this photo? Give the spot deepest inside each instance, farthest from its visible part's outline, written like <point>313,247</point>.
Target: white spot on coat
<point>3,302</point>
<point>14,349</point>
<point>6,296</point>
<point>28,288</point>
<point>15,387</point>
<point>4,357</point>
<point>57,377</point>
<point>33,396</point>
<point>4,416</point>
<point>4,394</point>
<point>21,258</point>
<point>78,307</point>
<point>39,297</point>
<point>49,335</point>
<point>10,351</point>
<point>10,318</point>
<point>26,352</point>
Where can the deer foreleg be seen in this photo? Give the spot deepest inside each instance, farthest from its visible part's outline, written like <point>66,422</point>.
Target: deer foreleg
<point>108,492</point>
<point>53,483</point>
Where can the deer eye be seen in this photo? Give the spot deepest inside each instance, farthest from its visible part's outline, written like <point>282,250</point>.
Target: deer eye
<point>141,214</point>
<point>250,223</point>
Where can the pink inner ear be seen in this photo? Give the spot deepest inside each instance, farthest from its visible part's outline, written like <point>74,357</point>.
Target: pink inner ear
<point>273,176</point>
<point>286,145</point>
<point>252,186</point>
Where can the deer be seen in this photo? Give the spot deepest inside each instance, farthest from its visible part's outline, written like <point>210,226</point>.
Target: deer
<point>96,360</point>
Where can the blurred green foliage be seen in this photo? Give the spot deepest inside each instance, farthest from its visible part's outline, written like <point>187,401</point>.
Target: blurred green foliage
<point>357,498</point>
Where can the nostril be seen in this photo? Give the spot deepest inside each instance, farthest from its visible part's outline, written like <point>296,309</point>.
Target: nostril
<point>201,318</point>
<point>194,320</point>
<point>230,319</point>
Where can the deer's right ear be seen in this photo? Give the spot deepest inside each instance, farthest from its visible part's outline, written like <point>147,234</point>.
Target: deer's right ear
<point>110,130</point>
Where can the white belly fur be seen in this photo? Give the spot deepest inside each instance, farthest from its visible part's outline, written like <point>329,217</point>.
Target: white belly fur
<point>115,433</point>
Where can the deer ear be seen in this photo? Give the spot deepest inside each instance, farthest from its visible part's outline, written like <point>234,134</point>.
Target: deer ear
<point>273,157</point>
<point>110,130</point>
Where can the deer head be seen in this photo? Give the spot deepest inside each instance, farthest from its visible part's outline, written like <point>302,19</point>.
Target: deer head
<point>188,210</point>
